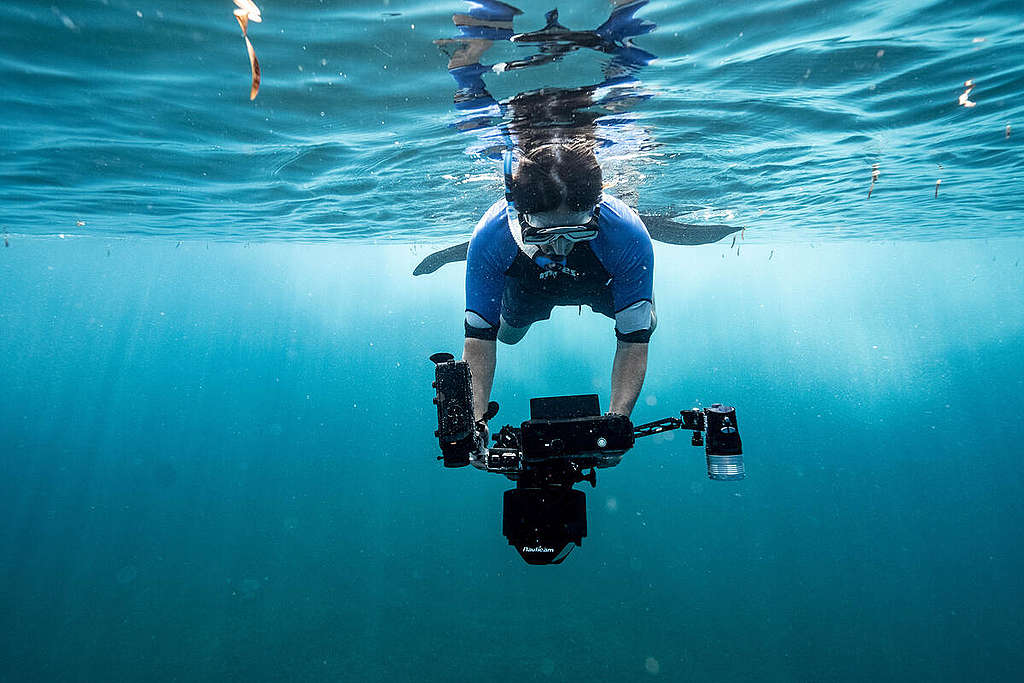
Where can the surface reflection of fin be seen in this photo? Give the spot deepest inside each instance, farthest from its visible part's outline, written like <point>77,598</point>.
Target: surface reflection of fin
<point>623,23</point>
<point>661,228</point>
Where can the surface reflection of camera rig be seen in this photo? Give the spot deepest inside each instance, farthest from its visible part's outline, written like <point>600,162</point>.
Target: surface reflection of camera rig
<point>563,443</point>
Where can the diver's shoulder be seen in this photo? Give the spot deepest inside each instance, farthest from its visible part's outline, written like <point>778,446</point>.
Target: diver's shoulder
<point>621,218</point>
<point>494,219</point>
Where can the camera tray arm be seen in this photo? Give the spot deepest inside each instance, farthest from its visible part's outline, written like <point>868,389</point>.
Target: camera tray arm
<point>691,419</point>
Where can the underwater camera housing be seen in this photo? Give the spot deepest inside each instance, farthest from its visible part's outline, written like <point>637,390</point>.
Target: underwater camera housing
<point>456,429</point>
<point>544,517</point>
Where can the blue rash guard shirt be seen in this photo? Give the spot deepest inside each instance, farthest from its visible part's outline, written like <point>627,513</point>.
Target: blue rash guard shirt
<point>612,273</point>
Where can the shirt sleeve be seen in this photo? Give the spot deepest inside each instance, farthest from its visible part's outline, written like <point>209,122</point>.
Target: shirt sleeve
<point>628,256</point>
<point>491,252</point>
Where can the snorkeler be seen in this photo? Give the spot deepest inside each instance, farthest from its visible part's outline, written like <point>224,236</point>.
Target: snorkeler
<point>557,240</point>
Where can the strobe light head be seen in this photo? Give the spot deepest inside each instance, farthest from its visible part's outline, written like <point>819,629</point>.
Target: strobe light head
<point>723,447</point>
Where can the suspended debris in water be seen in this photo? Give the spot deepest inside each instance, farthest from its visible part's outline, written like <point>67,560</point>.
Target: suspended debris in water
<point>963,99</point>
<point>874,178</point>
<point>80,224</point>
<point>771,254</point>
<point>738,250</point>
<point>248,11</point>
<point>65,19</point>
<point>1007,131</point>
<point>177,245</point>
<point>6,243</point>
<point>733,242</point>
<point>937,183</point>
<point>743,234</point>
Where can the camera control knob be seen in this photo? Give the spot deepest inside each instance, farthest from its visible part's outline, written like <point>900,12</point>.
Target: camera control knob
<point>602,442</point>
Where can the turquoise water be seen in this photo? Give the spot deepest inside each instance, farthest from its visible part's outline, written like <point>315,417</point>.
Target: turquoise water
<point>215,419</point>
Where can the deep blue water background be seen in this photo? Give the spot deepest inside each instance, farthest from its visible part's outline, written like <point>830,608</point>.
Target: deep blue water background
<point>216,459</point>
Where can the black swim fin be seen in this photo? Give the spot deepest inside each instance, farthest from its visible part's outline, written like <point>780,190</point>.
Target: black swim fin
<point>661,228</point>
<point>664,229</point>
<point>439,258</point>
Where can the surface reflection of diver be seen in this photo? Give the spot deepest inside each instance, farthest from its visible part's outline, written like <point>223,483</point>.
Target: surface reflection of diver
<point>563,443</point>
<point>590,119</point>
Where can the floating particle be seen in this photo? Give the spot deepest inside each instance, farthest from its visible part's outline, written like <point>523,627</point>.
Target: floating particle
<point>964,99</point>
<point>874,178</point>
<point>743,234</point>
<point>880,54</point>
<point>80,224</point>
<point>127,574</point>
<point>6,243</point>
<point>65,19</point>
<point>977,40</point>
<point>733,242</point>
<point>771,254</point>
<point>738,250</point>
<point>652,666</point>
<point>937,183</point>
<point>1007,131</point>
<point>247,10</point>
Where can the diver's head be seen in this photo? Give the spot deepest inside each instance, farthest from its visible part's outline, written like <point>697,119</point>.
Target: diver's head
<point>557,186</point>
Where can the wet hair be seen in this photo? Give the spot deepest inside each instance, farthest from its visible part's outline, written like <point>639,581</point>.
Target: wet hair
<point>557,173</point>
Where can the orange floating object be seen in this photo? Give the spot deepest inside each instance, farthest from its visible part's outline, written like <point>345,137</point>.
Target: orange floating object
<point>248,11</point>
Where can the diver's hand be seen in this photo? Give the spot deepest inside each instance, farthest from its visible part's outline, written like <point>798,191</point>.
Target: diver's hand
<point>483,437</point>
<point>612,413</point>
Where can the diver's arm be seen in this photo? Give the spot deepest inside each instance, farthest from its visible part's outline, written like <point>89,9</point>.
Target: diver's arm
<point>628,372</point>
<point>481,355</point>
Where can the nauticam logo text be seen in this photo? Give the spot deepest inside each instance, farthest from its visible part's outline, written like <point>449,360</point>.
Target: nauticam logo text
<point>538,549</point>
